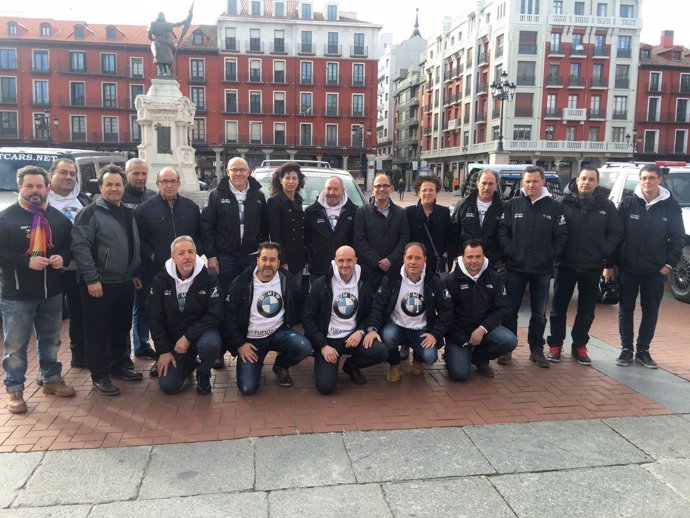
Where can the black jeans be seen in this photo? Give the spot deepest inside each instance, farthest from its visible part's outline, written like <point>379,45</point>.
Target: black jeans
<point>72,291</point>
<point>650,286</point>
<point>207,347</point>
<point>326,374</point>
<point>587,289</point>
<point>107,321</point>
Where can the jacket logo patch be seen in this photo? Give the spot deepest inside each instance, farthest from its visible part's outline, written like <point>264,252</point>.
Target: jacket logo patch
<point>518,215</point>
<point>167,293</point>
<point>561,220</point>
<point>320,220</point>
<point>470,215</point>
<point>464,286</point>
<point>446,294</point>
<point>225,200</point>
<point>547,216</point>
<point>491,286</point>
<point>634,216</point>
<point>664,219</point>
<point>202,292</point>
<point>602,212</point>
<point>215,293</point>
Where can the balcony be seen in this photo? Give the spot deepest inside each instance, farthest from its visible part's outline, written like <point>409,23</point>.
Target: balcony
<point>620,115</point>
<point>482,88</point>
<point>576,81</point>
<point>254,46</point>
<point>359,51</point>
<point>498,52</point>
<point>525,80</point>
<point>306,49</point>
<point>331,111</point>
<point>483,59</point>
<point>577,51</point>
<point>556,50</point>
<point>278,47</point>
<point>332,50</point>
<point>684,87</point>
<point>622,82</point>
<point>600,82</point>
<point>306,80</point>
<point>524,112</point>
<point>480,117</point>
<point>602,52</point>
<point>554,81</point>
<point>597,113</point>
<point>654,88</point>
<point>574,114</point>
<point>527,48</point>
<point>623,53</point>
<point>553,113</point>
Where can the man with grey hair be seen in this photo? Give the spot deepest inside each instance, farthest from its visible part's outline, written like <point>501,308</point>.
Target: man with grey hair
<point>35,245</point>
<point>328,225</point>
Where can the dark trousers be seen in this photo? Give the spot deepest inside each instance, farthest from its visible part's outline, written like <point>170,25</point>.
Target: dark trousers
<point>460,357</point>
<point>72,291</point>
<point>516,283</point>
<point>587,290</point>
<point>207,347</point>
<point>326,374</point>
<point>230,267</point>
<point>107,321</point>
<point>650,286</point>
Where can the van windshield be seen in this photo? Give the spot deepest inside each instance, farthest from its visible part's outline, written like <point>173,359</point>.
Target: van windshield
<point>10,163</point>
<point>679,185</point>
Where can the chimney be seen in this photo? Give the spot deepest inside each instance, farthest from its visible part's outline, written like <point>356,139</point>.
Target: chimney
<point>667,39</point>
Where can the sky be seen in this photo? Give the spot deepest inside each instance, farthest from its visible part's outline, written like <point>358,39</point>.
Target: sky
<point>396,16</point>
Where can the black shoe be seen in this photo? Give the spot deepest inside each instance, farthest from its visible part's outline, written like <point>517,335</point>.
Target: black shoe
<point>646,359</point>
<point>581,355</point>
<point>203,384</point>
<point>625,358</point>
<point>146,353</point>
<point>126,374</point>
<point>220,362</point>
<point>78,364</point>
<point>355,375</point>
<point>283,375</point>
<point>153,371</point>
<point>105,387</point>
<point>128,363</point>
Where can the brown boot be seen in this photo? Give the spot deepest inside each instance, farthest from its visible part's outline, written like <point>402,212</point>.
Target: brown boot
<point>393,375</point>
<point>505,359</point>
<point>16,403</point>
<point>58,388</point>
<point>485,369</point>
<point>417,368</point>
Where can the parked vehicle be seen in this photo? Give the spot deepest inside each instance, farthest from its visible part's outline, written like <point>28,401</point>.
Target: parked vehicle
<point>510,180</point>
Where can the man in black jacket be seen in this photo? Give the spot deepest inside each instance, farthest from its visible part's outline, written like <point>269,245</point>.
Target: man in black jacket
<point>410,309</point>
<point>261,307</point>
<point>335,319</point>
<point>328,224</point>
<point>35,245</point>
<point>381,232</point>
<point>185,310</point>
<point>594,232</point>
<point>476,335</point>
<point>651,247</point>
<point>136,192</point>
<point>533,234</point>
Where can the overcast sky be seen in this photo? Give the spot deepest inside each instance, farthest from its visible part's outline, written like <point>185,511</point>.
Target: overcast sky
<point>396,16</point>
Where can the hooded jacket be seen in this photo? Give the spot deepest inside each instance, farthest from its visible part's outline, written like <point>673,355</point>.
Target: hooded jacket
<point>133,196</point>
<point>71,204</point>
<point>220,221</point>
<point>466,221</point>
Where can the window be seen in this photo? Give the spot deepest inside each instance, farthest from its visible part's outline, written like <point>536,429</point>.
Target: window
<point>624,46</point>
<point>579,8</point>
<point>622,78</point>
<point>279,41</point>
<point>571,133</point>
<point>553,78</point>
<point>627,11</point>
<point>551,105</point>
<point>305,135</point>
<point>331,135</point>
<point>572,101</point>
<point>620,107</point>
<point>256,8</point>
<point>77,93</point>
<point>575,78</point>
<point>306,11</point>
<point>40,61</point>
<point>601,9</point>
<point>357,105</point>
<point>230,39</point>
<point>77,61</point>
<point>557,7</point>
<point>111,129</point>
<point>680,144</point>
<point>653,109</point>
<point>682,106</point>
<point>306,43</point>
<point>555,42</point>
<point>255,40</point>
<point>655,81</point>
<point>135,129</point>
<point>136,67</point>
<point>523,105</point>
<point>549,132</point>
<point>135,90</point>
<point>598,78</point>
<point>231,101</point>
<point>8,61</point>
<point>199,131</point>
<point>358,48</point>
<point>685,83</point>
<point>8,124</point>
<point>618,134</point>
<point>525,73</point>
<point>594,134</point>
<point>8,90</point>
<point>255,102</point>
<point>279,133</point>
<point>231,132</point>
<point>108,64</point>
<point>110,32</point>
<point>332,13</point>
<point>333,47</point>
<point>77,128</point>
<point>595,106</point>
<point>197,95</point>
<point>231,70</point>
<point>578,47</point>
<point>109,95</point>
<point>331,73</point>
<point>305,72</point>
<point>254,70</point>
<point>522,132</point>
<point>196,70</point>
<point>305,106</point>
<point>645,53</point>
<point>279,103</point>
<point>12,29</point>
<point>232,7</point>
<point>650,141</point>
<point>332,105</point>
<point>255,131</point>
<point>45,29</point>
<point>198,38</point>
<point>40,92</point>
<point>358,74</point>
<point>278,9</point>
<point>600,44</point>
<point>529,6</point>
<point>528,42</point>
<point>279,71</point>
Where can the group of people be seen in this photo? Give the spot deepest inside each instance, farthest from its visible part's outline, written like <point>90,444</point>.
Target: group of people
<point>131,260</point>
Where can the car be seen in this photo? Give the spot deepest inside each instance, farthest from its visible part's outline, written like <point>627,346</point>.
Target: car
<point>510,177</point>
<point>620,180</point>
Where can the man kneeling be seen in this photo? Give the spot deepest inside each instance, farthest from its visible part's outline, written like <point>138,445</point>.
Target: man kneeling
<point>184,313</point>
<point>479,304</point>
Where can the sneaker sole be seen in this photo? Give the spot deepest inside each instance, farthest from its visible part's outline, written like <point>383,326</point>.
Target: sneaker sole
<point>647,365</point>
<point>587,363</point>
<point>623,363</point>
<point>553,360</point>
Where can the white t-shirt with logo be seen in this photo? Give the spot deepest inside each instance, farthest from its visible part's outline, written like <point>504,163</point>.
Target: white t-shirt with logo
<point>344,305</point>
<point>241,197</point>
<point>267,311</point>
<point>482,208</point>
<point>409,310</point>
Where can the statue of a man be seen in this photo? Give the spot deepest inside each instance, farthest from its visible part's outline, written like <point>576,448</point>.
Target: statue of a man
<point>162,47</point>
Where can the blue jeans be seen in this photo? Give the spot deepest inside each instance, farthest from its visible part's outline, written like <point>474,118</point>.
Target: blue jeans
<point>231,266</point>
<point>393,336</point>
<point>291,347</point>
<point>516,283</point>
<point>208,349</point>
<point>19,319</point>
<point>650,286</point>
<point>140,321</point>
<point>459,358</point>
<point>587,290</point>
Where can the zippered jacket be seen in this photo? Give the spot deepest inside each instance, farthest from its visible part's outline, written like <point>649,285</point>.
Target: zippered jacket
<point>321,240</point>
<point>467,226</point>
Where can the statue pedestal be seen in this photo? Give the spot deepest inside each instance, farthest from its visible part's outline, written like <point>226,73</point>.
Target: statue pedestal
<point>165,117</point>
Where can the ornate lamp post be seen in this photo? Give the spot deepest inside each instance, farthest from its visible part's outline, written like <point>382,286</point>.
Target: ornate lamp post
<point>632,142</point>
<point>359,131</point>
<point>502,91</point>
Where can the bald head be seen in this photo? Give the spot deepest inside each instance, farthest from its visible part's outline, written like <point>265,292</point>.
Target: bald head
<point>345,261</point>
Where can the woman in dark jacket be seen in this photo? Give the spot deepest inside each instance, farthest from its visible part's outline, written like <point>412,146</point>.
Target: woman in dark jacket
<point>430,224</point>
<point>286,218</point>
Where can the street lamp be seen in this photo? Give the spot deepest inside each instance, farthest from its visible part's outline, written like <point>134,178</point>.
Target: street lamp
<point>44,122</point>
<point>411,171</point>
<point>464,157</point>
<point>363,166</point>
<point>502,91</point>
<point>632,142</point>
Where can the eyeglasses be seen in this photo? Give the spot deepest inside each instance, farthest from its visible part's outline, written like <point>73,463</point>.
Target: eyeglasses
<point>238,170</point>
<point>382,186</point>
<point>168,182</point>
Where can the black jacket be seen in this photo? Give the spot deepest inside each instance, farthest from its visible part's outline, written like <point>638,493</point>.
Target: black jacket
<point>437,304</point>
<point>481,303</point>
<point>203,310</point>
<point>594,230</point>
<point>19,282</point>
<point>532,235</point>
<point>653,237</point>
<point>134,197</point>
<point>238,301</point>
<point>377,237</point>
<point>159,224</point>
<point>466,221</point>
<point>321,240</point>
<point>316,316</point>
<point>441,231</point>
<point>220,221</point>
<point>286,227</point>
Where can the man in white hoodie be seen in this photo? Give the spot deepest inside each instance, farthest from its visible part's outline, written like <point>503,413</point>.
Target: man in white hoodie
<point>476,335</point>
<point>184,313</point>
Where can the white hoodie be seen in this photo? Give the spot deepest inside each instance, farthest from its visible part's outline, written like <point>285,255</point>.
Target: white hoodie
<point>333,213</point>
<point>664,194</point>
<point>182,285</point>
<point>543,194</point>
<point>463,269</point>
<point>345,303</point>
<point>69,205</point>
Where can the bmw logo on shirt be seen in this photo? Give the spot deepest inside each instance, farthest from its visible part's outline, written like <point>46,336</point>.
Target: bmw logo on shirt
<point>345,305</point>
<point>269,304</point>
<point>412,304</point>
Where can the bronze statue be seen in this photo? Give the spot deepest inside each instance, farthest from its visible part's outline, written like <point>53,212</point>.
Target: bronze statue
<point>162,46</point>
